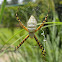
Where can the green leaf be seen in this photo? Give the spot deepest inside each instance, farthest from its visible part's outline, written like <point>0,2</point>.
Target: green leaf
<point>2,10</point>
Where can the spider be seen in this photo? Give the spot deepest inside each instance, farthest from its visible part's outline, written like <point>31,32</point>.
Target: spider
<point>31,28</point>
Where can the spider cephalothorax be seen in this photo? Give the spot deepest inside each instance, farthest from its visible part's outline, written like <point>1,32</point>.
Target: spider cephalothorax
<point>31,28</point>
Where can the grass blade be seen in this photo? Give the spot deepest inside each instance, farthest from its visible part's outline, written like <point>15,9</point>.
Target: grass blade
<point>2,10</point>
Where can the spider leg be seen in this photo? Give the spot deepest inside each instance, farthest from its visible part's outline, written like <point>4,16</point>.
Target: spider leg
<point>42,23</point>
<point>20,22</point>
<point>41,47</point>
<point>22,42</point>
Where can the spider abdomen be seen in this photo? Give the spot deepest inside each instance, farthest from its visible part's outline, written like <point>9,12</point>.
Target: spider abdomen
<point>31,24</point>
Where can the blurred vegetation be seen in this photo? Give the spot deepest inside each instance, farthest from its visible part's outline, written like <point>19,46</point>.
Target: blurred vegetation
<point>2,9</point>
<point>29,51</point>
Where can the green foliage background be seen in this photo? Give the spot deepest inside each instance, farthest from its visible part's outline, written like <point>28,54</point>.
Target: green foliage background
<point>29,51</point>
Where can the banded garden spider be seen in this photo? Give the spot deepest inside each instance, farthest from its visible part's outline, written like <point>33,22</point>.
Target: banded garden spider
<point>31,24</point>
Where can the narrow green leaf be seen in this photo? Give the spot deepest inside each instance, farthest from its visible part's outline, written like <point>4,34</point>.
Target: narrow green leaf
<point>2,10</point>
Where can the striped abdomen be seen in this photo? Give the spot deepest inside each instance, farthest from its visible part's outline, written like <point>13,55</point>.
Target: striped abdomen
<point>31,24</point>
